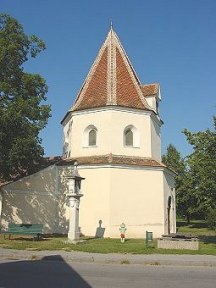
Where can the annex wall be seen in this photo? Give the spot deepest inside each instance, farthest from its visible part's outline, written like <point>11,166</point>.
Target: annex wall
<point>35,199</point>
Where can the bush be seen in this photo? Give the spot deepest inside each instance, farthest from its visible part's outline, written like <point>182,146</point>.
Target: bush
<point>211,219</point>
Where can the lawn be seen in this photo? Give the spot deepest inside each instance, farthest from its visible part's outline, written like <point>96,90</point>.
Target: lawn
<point>135,246</point>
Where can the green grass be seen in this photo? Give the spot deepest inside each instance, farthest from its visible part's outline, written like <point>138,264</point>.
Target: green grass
<point>135,246</point>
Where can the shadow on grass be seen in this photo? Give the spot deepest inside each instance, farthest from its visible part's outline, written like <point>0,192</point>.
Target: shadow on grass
<point>43,237</point>
<point>207,239</point>
<point>192,224</point>
<point>181,224</point>
<point>198,225</point>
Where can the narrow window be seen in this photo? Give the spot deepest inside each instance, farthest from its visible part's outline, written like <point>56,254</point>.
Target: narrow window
<point>92,137</point>
<point>129,137</point>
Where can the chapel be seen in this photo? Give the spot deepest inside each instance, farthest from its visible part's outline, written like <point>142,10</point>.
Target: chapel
<point>113,131</point>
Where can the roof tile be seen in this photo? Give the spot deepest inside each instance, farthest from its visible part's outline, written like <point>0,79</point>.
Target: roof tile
<point>112,159</point>
<point>111,80</point>
<point>150,89</point>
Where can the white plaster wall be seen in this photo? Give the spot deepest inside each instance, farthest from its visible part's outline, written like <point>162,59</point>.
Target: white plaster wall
<point>169,190</point>
<point>155,140</point>
<point>115,195</point>
<point>95,203</point>
<point>43,181</point>
<point>151,102</point>
<point>110,124</point>
<point>66,136</point>
<point>34,199</point>
<point>137,200</point>
<point>136,196</point>
<point>29,209</point>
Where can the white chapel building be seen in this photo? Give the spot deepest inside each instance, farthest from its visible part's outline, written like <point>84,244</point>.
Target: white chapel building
<point>113,131</point>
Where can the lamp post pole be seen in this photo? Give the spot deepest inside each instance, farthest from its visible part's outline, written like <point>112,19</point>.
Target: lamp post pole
<point>74,195</point>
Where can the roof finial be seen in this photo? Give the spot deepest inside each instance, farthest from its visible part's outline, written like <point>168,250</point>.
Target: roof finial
<point>111,25</point>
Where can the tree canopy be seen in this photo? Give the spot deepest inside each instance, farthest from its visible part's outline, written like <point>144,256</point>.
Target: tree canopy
<point>22,110</point>
<point>174,161</point>
<point>202,167</point>
<point>196,174</point>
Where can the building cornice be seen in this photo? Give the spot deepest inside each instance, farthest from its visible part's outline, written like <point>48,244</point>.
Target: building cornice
<point>112,108</point>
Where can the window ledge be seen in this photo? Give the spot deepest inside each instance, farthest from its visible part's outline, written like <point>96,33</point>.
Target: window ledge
<point>127,146</point>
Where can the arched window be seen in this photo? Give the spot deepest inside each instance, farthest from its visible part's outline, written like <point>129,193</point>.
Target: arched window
<point>131,136</point>
<point>128,137</point>
<point>92,137</point>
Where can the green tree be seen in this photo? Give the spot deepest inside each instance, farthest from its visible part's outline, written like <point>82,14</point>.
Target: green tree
<point>22,114</point>
<point>173,160</point>
<point>202,165</point>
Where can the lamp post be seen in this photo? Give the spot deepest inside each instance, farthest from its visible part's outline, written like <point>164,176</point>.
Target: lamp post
<point>74,195</point>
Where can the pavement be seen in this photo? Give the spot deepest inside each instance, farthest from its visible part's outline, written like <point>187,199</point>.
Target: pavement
<point>112,258</point>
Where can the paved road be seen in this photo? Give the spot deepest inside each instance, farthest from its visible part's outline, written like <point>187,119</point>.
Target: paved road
<point>59,274</point>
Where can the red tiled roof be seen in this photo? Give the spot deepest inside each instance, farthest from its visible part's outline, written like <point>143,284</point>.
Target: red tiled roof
<point>108,159</point>
<point>126,92</point>
<point>111,80</point>
<point>150,89</point>
<point>95,95</point>
<point>111,159</point>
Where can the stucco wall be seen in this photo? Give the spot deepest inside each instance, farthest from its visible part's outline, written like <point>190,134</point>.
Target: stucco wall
<point>155,140</point>
<point>110,124</point>
<point>151,101</point>
<point>35,199</point>
<point>169,190</point>
<point>94,206</point>
<point>137,200</point>
<point>111,195</point>
<point>115,195</point>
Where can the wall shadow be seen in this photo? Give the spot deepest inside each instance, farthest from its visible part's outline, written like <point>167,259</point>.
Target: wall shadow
<point>51,271</point>
<point>22,203</point>
<point>100,230</point>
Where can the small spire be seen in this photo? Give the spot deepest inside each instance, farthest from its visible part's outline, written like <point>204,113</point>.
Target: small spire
<point>111,25</point>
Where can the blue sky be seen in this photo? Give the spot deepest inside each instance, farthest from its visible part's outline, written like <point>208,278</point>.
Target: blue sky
<point>172,42</point>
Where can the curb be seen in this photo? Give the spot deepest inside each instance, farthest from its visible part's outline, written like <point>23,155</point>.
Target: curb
<point>124,259</point>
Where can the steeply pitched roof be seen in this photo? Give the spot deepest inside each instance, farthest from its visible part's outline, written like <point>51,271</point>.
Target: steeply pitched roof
<point>111,80</point>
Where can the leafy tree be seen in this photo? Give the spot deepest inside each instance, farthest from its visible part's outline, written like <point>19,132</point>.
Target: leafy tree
<point>211,218</point>
<point>196,175</point>
<point>173,160</point>
<point>22,115</point>
<point>202,163</point>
